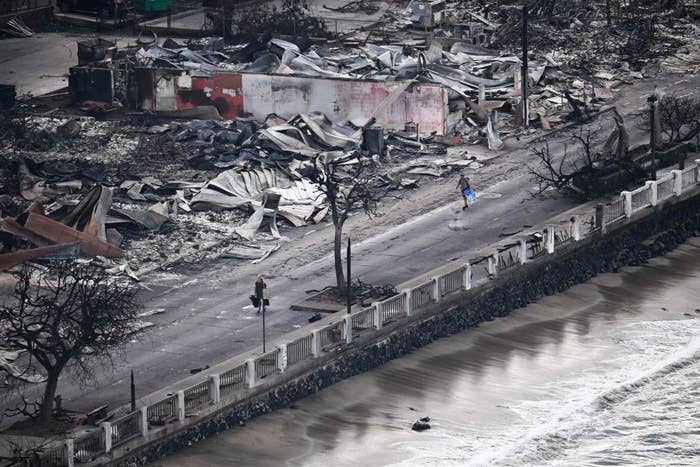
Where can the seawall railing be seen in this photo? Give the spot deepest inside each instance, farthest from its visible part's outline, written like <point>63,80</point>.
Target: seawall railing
<point>235,383</point>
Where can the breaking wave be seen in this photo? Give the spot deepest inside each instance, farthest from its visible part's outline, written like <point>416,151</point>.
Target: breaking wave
<point>576,419</point>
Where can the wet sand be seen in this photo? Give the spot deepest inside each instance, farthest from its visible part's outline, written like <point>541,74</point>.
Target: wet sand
<point>515,391</point>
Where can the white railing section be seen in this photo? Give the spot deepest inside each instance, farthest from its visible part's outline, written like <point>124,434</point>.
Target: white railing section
<point>536,245</point>
<point>664,187</point>
<point>422,296</point>
<point>162,411</point>
<point>300,349</point>
<point>126,428</point>
<point>233,380</point>
<point>689,177</point>
<point>452,282</point>
<point>563,233</point>
<point>89,446</point>
<point>480,271</point>
<point>615,211</point>
<point>267,364</point>
<point>332,335</point>
<point>197,396</point>
<point>392,308</point>
<point>52,456</point>
<point>237,380</point>
<point>509,256</point>
<point>362,321</point>
<point>641,198</point>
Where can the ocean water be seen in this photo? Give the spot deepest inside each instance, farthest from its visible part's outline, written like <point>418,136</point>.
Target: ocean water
<point>606,373</point>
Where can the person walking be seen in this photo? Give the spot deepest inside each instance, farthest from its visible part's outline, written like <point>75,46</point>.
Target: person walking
<point>465,189</point>
<point>260,289</point>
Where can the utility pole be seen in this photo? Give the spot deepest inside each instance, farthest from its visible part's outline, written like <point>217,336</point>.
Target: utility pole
<point>523,74</point>
<point>349,286</point>
<point>652,100</point>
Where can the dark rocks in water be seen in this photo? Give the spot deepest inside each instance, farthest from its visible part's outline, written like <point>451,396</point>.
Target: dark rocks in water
<point>422,424</point>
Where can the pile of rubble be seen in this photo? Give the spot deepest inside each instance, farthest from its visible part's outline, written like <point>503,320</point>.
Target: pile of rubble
<point>431,81</point>
<point>214,186</point>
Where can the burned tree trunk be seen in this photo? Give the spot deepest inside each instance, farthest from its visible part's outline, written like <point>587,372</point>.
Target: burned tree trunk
<point>338,259</point>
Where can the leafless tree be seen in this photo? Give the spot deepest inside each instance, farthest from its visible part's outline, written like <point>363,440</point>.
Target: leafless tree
<point>347,187</point>
<point>680,117</point>
<point>578,172</point>
<point>67,316</point>
<point>559,172</point>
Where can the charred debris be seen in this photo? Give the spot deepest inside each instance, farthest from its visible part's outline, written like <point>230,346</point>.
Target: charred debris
<point>182,150</point>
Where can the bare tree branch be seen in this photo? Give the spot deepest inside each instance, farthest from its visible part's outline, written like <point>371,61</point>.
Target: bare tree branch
<point>67,317</point>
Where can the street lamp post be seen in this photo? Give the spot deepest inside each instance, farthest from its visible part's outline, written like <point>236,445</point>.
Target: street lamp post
<point>652,101</point>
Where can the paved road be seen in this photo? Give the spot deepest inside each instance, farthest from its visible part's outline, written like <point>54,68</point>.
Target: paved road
<point>207,317</point>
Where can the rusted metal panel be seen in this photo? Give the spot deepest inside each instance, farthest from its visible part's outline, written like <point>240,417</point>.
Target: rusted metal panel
<point>11,226</point>
<point>63,250</point>
<point>60,233</point>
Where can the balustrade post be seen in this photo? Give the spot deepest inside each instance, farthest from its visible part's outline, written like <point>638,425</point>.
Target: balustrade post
<point>493,264</point>
<point>600,217</point>
<point>654,188</point>
<point>107,428</point>
<point>250,372</point>
<point>523,250</point>
<point>377,316</point>
<point>181,405</point>
<point>282,357</point>
<point>697,167</point>
<point>143,411</point>
<point>576,227</point>
<point>628,203</point>
<point>348,329</point>
<point>214,391</point>
<point>551,230</point>
<point>677,182</point>
<point>436,284</point>
<point>316,343</point>
<point>409,301</point>
<point>467,276</point>
<point>70,452</point>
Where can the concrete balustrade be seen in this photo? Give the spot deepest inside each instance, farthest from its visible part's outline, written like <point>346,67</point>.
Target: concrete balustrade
<point>467,276</point>
<point>214,389</point>
<point>628,203</point>
<point>70,452</point>
<point>107,429</point>
<point>550,231</point>
<point>493,264</point>
<point>348,329</point>
<point>653,186</point>
<point>144,420</point>
<point>181,405</point>
<point>677,182</point>
<point>401,306</point>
